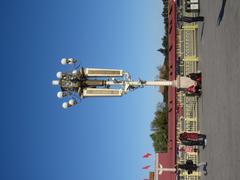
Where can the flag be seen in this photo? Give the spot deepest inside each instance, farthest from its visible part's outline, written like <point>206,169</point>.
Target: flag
<point>146,167</point>
<point>147,155</point>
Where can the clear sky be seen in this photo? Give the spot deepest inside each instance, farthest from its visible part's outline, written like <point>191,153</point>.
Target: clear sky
<point>101,138</point>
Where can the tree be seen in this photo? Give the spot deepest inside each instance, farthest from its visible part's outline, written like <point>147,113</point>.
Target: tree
<point>159,125</point>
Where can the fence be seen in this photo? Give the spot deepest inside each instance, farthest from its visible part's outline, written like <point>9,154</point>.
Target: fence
<point>186,49</point>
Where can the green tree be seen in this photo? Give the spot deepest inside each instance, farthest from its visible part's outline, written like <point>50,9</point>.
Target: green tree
<point>159,125</point>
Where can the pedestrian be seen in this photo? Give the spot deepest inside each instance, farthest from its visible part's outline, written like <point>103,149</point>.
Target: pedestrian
<point>194,90</point>
<point>189,166</point>
<point>191,89</point>
<point>188,19</point>
<point>203,168</point>
<point>192,136</point>
<point>193,143</point>
<point>187,149</point>
<point>196,76</point>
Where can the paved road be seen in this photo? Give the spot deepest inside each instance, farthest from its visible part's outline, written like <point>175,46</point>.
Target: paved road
<point>219,52</point>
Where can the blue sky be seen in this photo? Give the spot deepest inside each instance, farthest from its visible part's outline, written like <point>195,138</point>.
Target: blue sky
<point>101,138</point>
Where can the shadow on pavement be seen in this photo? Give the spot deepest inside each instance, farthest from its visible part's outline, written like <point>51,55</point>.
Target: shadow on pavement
<point>202,30</point>
<point>221,13</point>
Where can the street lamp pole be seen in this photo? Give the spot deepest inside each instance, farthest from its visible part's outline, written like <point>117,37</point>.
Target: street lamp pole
<point>97,82</point>
<point>161,169</point>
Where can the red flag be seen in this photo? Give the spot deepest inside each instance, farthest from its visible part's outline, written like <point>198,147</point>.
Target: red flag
<point>147,155</point>
<point>146,167</point>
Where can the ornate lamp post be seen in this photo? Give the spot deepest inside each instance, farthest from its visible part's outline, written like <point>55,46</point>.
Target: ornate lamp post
<point>95,82</point>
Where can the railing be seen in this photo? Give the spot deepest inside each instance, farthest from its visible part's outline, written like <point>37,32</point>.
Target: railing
<point>186,49</point>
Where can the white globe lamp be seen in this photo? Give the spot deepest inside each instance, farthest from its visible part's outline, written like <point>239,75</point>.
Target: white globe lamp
<point>59,75</point>
<point>63,61</point>
<point>65,105</point>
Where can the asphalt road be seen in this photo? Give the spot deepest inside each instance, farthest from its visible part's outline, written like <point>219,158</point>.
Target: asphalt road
<point>219,52</point>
